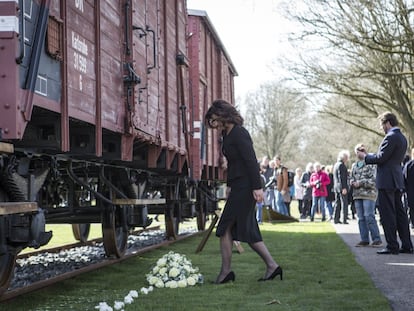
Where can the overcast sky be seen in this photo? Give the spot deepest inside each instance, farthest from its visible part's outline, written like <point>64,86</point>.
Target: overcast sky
<point>254,35</point>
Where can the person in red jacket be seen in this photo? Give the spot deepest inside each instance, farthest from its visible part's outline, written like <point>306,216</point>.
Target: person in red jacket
<point>319,180</point>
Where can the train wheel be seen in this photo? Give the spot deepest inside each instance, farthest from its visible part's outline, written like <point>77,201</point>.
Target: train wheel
<point>114,230</point>
<point>81,232</point>
<point>7,261</point>
<point>172,224</point>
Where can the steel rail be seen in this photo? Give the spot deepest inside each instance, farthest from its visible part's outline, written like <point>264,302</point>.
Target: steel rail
<point>8,295</point>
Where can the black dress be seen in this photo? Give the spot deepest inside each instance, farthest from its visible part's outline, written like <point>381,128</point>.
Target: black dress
<point>242,177</point>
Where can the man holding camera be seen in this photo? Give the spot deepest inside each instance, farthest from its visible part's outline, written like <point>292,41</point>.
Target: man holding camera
<point>390,185</point>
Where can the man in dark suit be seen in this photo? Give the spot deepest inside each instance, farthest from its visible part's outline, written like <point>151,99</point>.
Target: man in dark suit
<point>408,173</point>
<point>390,184</point>
<point>340,175</point>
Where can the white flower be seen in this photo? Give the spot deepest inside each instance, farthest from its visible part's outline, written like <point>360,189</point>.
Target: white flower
<point>163,271</point>
<point>175,264</point>
<point>182,283</point>
<point>191,281</point>
<point>151,288</point>
<point>144,290</point>
<point>133,293</point>
<point>152,280</point>
<point>103,306</point>
<point>174,272</point>
<point>118,305</point>
<point>128,299</point>
<point>161,262</point>
<point>173,284</point>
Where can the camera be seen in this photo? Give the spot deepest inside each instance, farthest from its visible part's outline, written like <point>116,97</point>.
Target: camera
<point>272,180</point>
<point>318,184</point>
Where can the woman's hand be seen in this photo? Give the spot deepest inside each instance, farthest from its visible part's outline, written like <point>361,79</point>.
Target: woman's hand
<point>258,195</point>
<point>228,189</point>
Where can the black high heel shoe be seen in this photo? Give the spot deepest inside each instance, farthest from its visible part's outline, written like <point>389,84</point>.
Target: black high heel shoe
<point>229,277</point>
<point>278,271</point>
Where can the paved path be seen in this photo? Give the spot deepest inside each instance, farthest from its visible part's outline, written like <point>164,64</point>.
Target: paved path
<point>392,274</point>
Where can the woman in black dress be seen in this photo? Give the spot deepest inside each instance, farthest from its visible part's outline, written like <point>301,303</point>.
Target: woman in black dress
<point>238,221</point>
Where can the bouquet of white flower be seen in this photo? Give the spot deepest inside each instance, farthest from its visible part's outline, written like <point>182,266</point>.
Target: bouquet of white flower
<point>174,270</point>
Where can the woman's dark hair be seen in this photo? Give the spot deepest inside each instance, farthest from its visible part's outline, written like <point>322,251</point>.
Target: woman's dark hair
<point>388,117</point>
<point>224,111</point>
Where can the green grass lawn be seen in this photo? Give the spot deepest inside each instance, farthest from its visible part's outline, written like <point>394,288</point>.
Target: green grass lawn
<point>320,273</point>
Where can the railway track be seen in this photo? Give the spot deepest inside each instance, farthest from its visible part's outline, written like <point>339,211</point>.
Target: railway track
<point>131,252</point>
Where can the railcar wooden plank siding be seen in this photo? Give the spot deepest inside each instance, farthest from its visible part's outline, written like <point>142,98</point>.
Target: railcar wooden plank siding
<point>212,74</point>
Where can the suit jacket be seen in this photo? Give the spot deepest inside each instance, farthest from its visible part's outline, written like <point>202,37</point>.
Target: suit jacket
<point>242,166</point>
<point>409,181</point>
<point>340,175</point>
<point>389,157</point>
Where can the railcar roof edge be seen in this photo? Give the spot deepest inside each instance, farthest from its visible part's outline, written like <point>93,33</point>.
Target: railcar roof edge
<point>210,26</point>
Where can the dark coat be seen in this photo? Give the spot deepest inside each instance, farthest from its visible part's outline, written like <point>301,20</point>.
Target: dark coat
<point>340,175</point>
<point>243,168</point>
<point>307,189</point>
<point>329,188</point>
<point>389,157</point>
<point>409,182</point>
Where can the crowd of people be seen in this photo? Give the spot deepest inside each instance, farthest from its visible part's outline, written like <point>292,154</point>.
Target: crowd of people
<point>375,181</point>
<point>381,182</point>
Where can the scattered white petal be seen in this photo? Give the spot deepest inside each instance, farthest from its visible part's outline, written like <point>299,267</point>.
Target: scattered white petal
<point>118,305</point>
<point>133,293</point>
<point>103,306</point>
<point>128,300</point>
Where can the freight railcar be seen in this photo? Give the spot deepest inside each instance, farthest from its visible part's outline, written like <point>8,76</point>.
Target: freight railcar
<point>101,119</point>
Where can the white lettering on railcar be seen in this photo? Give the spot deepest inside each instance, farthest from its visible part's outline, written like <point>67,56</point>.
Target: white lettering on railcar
<point>80,83</point>
<point>79,5</point>
<point>79,62</point>
<point>80,54</point>
<point>79,44</point>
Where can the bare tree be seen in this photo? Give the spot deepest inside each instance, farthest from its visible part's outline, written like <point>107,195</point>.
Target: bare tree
<point>274,116</point>
<point>364,53</point>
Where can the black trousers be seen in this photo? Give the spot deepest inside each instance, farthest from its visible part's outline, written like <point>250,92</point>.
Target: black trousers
<point>306,207</point>
<point>393,219</point>
<point>341,202</point>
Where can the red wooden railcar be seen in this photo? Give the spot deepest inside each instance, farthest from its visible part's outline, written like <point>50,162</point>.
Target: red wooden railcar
<point>101,119</point>
<point>211,77</point>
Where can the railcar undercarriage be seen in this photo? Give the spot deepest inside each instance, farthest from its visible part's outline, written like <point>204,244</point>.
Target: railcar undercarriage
<point>38,189</point>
